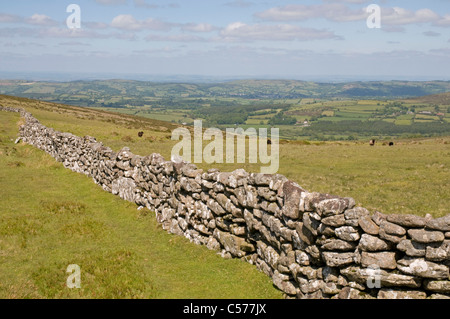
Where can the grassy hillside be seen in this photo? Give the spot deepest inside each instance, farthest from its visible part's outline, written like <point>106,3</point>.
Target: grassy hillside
<point>411,177</point>
<point>51,217</point>
<point>438,99</point>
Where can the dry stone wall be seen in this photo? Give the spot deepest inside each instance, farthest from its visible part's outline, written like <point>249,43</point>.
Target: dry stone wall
<point>312,245</point>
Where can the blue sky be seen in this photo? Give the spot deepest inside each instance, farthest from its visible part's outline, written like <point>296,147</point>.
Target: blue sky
<point>279,39</point>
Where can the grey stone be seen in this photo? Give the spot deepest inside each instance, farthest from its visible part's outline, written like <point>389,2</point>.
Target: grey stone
<point>368,225</point>
<point>335,221</point>
<point>334,259</point>
<point>334,206</point>
<point>401,294</point>
<point>439,253</point>
<point>421,267</point>
<point>391,238</point>
<point>347,233</point>
<point>351,293</point>
<point>407,220</point>
<point>281,281</point>
<point>442,286</point>
<point>383,259</point>
<point>356,213</point>
<point>442,223</point>
<point>292,193</point>
<point>426,236</point>
<point>337,244</point>
<point>385,278</point>
<point>378,217</point>
<point>392,229</point>
<point>372,243</point>
<point>412,248</point>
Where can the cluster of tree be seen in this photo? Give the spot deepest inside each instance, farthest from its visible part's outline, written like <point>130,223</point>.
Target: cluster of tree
<point>222,115</point>
<point>282,119</point>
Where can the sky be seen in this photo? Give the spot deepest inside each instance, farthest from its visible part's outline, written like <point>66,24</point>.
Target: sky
<point>322,39</point>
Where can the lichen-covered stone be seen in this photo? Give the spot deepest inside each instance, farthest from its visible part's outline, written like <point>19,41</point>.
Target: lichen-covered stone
<point>426,236</point>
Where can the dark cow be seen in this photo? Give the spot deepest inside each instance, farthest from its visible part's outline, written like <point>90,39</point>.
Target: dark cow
<point>140,134</point>
<point>391,143</point>
<point>372,142</point>
<point>269,142</point>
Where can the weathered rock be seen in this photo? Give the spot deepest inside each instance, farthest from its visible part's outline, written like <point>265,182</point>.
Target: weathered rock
<point>384,260</point>
<point>378,218</point>
<point>372,243</point>
<point>310,286</point>
<point>426,236</point>
<point>401,294</point>
<point>439,253</point>
<point>380,277</point>
<point>389,237</point>
<point>421,267</point>
<point>347,233</point>
<point>407,220</point>
<point>368,225</point>
<point>334,259</point>
<point>237,246</point>
<point>334,206</point>
<point>351,293</point>
<point>335,221</point>
<point>392,229</point>
<point>412,248</point>
<point>337,244</point>
<point>281,281</point>
<point>292,193</point>
<point>442,224</point>
<point>124,187</point>
<point>442,286</point>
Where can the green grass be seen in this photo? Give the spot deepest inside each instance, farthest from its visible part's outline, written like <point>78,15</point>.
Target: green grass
<point>51,217</point>
<point>409,178</point>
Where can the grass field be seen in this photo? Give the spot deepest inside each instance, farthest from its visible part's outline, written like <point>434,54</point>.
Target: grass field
<point>51,217</point>
<point>45,225</point>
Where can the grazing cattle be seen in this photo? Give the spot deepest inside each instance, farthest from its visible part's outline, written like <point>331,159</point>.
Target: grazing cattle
<point>372,142</point>
<point>391,143</point>
<point>269,142</point>
<point>140,134</point>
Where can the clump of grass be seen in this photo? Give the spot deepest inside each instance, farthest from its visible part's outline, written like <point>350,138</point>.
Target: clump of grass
<point>16,164</point>
<point>127,139</point>
<point>63,207</point>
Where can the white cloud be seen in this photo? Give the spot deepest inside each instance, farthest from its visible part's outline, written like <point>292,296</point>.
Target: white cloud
<point>300,12</point>
<point>239,31</point>
<point>337,11</point>
<point>129,23</point>
<point>9,18</point>
<point>401,16</point>
<point>444,21</point>
<point>41,20</point>
<point>198,27</point>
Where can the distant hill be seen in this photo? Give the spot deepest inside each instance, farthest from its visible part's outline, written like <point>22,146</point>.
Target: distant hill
<point>113,92</point>
<point>439,99</point>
